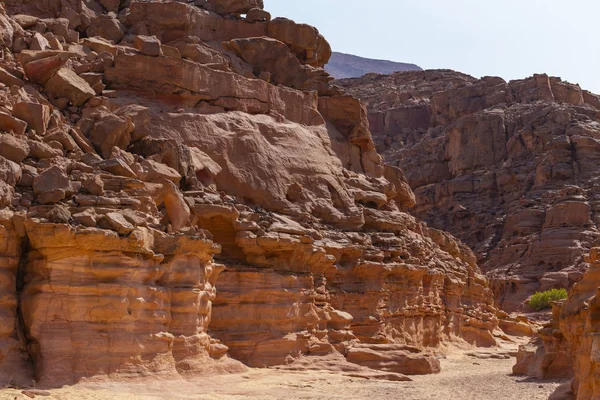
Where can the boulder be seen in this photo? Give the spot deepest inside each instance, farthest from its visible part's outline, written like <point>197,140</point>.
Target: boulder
<point>177,209</point>
<point>108,130</point>
<point>8,123</point>
<point>36,115</point>
<point>94,185</point>
<point>41,150</point>
<point>106,27</point>
<point>38,42</point>
<point>13,148</point>
<point>9,79</point>
<point>10,172</point>
<point>258,15</point>
<point>59,215</point>
<point>156,172</point>
<point>52,185</point>
<point>117,167</point>
<point>7,31</point>
<point>87,218</point>
<point>66,83</point>
<point>148,45</point>
<point>304,41</point>
<point>42,69</point>
<point>100,45</point>
<point>116,222</point>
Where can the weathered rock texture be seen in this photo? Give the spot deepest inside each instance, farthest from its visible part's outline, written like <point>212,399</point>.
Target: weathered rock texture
<point>185,183</point>
<point>509,168</point>
<point>567,347</point>
<point>580,325</point>
<point>548,355</point>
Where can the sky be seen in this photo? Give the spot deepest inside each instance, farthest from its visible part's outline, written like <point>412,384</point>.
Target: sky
<point>512,39</point>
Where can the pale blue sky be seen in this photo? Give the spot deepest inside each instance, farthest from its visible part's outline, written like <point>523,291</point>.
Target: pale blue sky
<point>508,38</point>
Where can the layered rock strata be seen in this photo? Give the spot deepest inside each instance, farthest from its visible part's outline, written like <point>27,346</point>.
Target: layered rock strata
<point>567,347</point>
<point>171,196</point>
<point>509,168</point>
<point>580,325</point>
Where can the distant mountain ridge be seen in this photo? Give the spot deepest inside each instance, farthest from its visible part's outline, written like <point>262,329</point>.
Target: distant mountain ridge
<point>349,66</point>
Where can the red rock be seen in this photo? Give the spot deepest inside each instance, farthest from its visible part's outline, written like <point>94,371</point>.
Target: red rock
<point>106,130</point>
<point>52,185</point>
<point>10,172</point>
<point>66,83</point>
<point>177,209</point>
<point>304,40</point>
<point>87,218</point>
<point>9,79</point>
<point>116,222</point>
<point>394,358</point>
<point>106,27</point>
<point>235,6</point>
<point>36,115</point>
<point>156,172</point>
<point>279,175</point>
<point>472,152</point>
<point>100,45</point>
<point>38,42</point>
<point>13,149</point>
<point>148,45</point>
<point>117,167</point>
<point>283,66</point>
<point>7,31</point>
<point>94,185</point>
<point>258,15</point>
<point>9,123</point>
<point>579,316</point>
<point>40,70</point>
<point>41,150</point>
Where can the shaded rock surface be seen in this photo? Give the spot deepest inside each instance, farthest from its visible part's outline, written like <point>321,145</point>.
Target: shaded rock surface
<point>509,168</point>
<point>172,200</point>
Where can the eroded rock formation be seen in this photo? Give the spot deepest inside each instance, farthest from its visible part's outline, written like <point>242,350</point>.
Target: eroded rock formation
<point>509,168</point>
<point>172,195</point>
<point>580,325</point>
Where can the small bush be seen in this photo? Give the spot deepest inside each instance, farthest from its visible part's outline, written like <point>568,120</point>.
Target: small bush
<point>542,300</point>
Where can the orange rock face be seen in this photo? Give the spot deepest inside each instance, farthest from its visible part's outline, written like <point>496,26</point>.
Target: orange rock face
<point>173,200</point>
<point>580,324</point>
<point>509,168</point>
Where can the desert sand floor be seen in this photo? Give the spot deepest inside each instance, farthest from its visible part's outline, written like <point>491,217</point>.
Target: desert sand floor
<point>462,378</point>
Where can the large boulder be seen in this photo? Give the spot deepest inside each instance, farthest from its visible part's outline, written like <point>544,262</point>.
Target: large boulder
<point>107,130</point>
<point>52,185</point>
<point>67,84</point>
<point>13,148</point>
<point>36,115</point>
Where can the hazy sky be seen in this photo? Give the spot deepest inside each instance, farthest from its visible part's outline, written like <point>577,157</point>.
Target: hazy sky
<point>508,38</point>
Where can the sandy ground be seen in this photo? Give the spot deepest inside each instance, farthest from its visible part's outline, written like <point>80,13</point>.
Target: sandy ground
<point>462,378</point>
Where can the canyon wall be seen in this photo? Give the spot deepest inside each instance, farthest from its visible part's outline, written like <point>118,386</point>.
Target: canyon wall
<point>580,325</point>
<point>567,346</point>
<point>182,187</point>
<point>509,168</point>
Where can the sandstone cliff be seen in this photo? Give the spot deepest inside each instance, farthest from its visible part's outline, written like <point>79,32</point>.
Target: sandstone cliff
<point>509,168</point>
<point>568,346</point>
<point>181,182</point>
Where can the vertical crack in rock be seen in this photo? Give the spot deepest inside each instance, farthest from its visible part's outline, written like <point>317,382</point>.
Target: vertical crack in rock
<point>20,327</point>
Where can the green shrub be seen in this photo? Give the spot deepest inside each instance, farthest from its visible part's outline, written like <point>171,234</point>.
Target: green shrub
<point>542,300</point>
